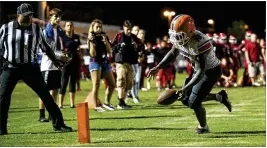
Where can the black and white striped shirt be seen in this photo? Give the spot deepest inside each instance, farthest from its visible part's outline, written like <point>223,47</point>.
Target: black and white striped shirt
<point>19,45</point>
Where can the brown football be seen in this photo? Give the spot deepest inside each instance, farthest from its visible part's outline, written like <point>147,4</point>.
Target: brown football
<point>168,97</point>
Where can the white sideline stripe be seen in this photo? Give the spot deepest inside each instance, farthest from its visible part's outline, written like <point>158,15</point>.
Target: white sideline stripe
<point>222,109</point>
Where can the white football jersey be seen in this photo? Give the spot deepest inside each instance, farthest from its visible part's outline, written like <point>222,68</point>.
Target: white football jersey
<point>199,46</point>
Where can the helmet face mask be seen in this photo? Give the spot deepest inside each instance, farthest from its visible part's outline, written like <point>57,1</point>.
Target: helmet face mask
<point>178,39</point>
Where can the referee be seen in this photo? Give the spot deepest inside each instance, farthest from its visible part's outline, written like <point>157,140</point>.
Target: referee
<point>3,20</point>
<point>18,43</point>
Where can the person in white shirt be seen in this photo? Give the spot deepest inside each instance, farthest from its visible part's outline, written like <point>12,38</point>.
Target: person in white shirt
<point>52,75</point>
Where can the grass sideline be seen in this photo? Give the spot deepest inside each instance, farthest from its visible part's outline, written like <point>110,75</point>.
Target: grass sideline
<point>147,124</point>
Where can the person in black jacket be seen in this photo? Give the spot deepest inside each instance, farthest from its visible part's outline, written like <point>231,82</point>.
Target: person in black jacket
<point>70,72</point>
<point>125,48</point>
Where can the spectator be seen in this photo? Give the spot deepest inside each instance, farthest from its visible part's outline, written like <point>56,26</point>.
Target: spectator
<point>165,74</point>
<point>70,72</point>
<point>210,36</point>
<point>99,46</point>
<point>142,59</point>
<point>263,51</point>
<point>167,40</point>
<point>135,30</point>
<point>124,47</point>
<point>150,61</point>
<point>253,56</point>
<point>157,45</point>
<point>263,46</point>
<point>137,67</point>
<point>244,80</point>
<point>228,77</point>
<point>52,75</point>
<point>236,53</point>
<point>215,38</point>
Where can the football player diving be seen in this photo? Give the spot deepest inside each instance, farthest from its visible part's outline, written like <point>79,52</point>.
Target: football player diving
<point>197,48</point>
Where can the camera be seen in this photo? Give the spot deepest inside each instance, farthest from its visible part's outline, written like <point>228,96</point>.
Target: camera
<point>98,34</point>
<point>94,35</point>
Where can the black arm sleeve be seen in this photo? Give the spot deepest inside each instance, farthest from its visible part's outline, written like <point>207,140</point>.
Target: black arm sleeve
<point>199,67</point>
<point>169,57</point>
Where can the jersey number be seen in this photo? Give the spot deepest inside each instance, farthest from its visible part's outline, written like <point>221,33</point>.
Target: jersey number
<point>198,37</point>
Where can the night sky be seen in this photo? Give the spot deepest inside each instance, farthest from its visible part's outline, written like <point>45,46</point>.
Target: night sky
<point>148,15</point>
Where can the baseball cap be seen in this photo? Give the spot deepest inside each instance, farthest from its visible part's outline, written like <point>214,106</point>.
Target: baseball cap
<point>25,9</point>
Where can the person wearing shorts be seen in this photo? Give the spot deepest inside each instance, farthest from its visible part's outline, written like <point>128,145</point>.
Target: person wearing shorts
<point>99,47</point>
<point>254,60</point>
<point>52,75</point>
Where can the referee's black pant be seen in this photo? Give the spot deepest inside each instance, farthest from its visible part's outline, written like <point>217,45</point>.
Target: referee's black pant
<point>32,76</point>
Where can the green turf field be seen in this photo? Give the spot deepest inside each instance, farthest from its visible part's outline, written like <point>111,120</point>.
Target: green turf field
<point>146,124</point>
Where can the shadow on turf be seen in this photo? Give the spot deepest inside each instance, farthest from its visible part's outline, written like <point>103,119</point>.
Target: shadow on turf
<point>236,134</point>
<point>226,136</point>
<point>23,107</point>
<point>243,132</point>
<point>114,141</point>
<point>20,111</point>
<point>136,117</point>
<point>36,133</point>
<point>102,129</point>
<point>141,129</point>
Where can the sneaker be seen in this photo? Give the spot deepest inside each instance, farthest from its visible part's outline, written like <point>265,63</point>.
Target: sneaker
<point>136,100</point>
<point>129,95</point>
<point>225,100</point>
<point>73,106</point>
<point>235,85</point>
<point>63,128</point>
<point>42,119</point>
<point>108,106</point>
<point>129,106</point>
<point>202,130</point>
<point>123,107</point>
<point>256,84</point>
<point>158,89</point>
<point>144,89</point>
<point>3,131</point>
<point>99,109</point>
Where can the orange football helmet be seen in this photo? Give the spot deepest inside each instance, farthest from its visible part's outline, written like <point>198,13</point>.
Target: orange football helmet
<point>181,30</point>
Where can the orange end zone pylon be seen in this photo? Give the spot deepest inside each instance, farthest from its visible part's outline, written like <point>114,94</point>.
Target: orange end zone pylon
<point>83,123</point>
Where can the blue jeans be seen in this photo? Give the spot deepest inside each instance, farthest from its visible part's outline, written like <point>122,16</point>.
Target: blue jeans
<point>105,67</point>
<point>137,77</point>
